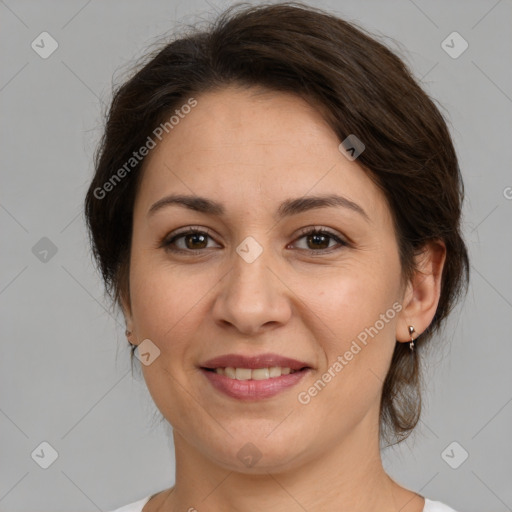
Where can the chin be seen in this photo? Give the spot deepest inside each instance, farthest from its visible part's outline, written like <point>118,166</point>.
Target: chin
<point>258,456</point>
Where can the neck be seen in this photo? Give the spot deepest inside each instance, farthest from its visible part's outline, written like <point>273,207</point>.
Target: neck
<point>349,477</point>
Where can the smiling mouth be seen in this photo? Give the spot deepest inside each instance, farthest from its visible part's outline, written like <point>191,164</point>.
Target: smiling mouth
<point>253,376</point>
<point>254,373</point>
<point>250,384</point>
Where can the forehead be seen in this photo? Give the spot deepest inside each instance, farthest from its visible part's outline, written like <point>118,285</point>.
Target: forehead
<point>251,148</point>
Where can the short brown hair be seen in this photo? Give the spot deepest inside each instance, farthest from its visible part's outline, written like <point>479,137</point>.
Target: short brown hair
<point>361,88</point>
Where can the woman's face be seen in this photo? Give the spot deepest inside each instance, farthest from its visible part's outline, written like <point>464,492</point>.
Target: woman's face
<point>253,282</point>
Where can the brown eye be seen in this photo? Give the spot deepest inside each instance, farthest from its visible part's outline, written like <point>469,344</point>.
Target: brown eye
<point>319,240</point>
<point>191,241</point>
<point>195,241</point>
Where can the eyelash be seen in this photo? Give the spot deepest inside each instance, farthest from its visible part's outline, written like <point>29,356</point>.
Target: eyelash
<point>166,242</point>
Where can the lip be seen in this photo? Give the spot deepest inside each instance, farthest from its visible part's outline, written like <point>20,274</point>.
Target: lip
<point>253,389</point>
<point>250,390</point>
<point>253,362</point>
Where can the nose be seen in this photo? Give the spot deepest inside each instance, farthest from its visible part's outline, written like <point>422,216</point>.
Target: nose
<point>252,297</point>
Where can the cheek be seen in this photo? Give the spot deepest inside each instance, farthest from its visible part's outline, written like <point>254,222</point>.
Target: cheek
<point>166,298</point>
<point>361,312</point>
<point>357,357</point>
<point>166,307</point>
<point>351,301</point>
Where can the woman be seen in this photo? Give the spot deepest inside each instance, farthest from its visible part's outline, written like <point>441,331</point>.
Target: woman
<point>276,210</point>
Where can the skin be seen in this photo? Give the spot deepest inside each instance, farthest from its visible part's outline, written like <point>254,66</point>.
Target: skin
<point>251,149</point>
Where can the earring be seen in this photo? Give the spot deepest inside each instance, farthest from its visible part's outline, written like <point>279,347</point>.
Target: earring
<point>411,344</point>
<point>128,334</point>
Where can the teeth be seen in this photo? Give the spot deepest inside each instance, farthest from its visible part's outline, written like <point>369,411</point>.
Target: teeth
<point>261,374</point>
<point>275,371</point>
<point>228,372</point>
<point>243,373</point>
<point>256,374</point>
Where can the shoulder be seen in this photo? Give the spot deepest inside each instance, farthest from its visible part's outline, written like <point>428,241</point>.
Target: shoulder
<point>136,506</point>
<point>436,506</point>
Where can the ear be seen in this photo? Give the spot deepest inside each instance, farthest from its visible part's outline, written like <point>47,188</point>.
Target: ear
<point>422,292</point>
<point>127,313</point>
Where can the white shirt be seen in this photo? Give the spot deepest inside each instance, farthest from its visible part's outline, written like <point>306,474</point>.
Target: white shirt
<point>430,506</point>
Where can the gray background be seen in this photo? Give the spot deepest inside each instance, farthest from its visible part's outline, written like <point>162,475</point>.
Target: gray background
<point>64,368</point>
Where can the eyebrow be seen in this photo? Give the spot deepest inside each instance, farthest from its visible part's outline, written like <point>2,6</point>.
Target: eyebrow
<point>287,208</point>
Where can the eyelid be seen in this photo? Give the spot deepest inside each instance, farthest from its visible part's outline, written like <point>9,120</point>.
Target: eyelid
<point>169,239</point>
<point>321,229</point>
<point>341,240</point>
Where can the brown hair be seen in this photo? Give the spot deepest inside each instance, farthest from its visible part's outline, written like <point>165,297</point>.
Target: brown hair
<point>360,87</point>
